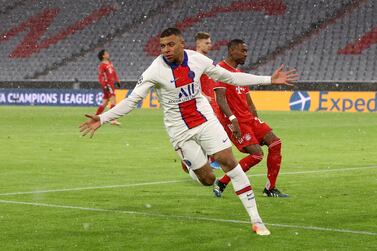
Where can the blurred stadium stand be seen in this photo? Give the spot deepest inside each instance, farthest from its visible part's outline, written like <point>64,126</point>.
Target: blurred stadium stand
<point>58,40</point>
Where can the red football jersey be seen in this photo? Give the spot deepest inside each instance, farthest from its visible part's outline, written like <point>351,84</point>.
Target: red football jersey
<point>236,96</point>
<point>107,74</point>
<point>207,85</point>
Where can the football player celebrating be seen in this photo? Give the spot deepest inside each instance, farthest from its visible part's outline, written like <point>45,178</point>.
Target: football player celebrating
<point>193,129</point>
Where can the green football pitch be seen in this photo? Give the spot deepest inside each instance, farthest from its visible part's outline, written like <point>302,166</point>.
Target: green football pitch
<point>125,190</point>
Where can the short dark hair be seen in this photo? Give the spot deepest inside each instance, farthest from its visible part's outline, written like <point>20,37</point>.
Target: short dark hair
<point>171,31</point>
<point>100,54</point>
<point>201,35</point>
<point>235,42</point>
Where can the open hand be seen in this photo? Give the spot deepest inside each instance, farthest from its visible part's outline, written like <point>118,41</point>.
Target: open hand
<point>91,125</point>
<point>236,130</point>
<point>281,77</point>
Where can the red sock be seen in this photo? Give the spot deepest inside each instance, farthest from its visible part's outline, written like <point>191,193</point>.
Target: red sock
<point>111,106</point>
<point>250,161</point>
<point>273,163</point>
<point>100,109</point>
<point>246,163</point>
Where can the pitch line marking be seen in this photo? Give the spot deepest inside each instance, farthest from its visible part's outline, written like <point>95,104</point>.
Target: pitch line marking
<point>176,181</point>
<point>186,217</point>
<point>96,187</point>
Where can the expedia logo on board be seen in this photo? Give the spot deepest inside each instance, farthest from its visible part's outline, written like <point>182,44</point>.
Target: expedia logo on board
<point>300,101</point>
<point>327,101</point>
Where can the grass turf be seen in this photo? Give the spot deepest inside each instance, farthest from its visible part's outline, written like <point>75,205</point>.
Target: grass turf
<point>42,150</point>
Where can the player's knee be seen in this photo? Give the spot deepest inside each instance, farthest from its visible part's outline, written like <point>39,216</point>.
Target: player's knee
<point>259,152</point>
<point>258,157</point>
<point>208,180</point>
<point>254,150</point>
<point>276,143</point>
<point>226,159</point>
<point>276,139</point>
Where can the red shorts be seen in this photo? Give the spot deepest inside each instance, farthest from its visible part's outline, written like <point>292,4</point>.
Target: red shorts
<point>253,132</point>
<point>108,91</point>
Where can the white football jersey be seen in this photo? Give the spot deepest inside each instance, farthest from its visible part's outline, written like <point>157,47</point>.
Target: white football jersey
<point>179,91</point>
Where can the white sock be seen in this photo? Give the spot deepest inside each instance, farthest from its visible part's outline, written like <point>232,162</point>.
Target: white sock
<point>193,176</point>
<point>241,185</point>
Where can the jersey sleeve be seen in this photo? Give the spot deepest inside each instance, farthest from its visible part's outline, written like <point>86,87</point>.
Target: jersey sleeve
<point>233,78</point>
<point>141,90</point>
<point>218,85</point>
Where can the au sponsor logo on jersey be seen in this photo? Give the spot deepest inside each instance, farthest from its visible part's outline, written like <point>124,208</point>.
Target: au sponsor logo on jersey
<point>186,93</point>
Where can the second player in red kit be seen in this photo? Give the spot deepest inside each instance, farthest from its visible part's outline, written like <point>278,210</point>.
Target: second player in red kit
<point>240,120</point>
<point>203,46</point>
<point>252,128</point>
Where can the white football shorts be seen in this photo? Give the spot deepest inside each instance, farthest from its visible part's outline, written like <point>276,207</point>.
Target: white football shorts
<point>198,142</point>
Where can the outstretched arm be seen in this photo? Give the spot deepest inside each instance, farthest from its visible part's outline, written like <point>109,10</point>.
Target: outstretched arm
<point>279,77</point>
<point>125,106</point>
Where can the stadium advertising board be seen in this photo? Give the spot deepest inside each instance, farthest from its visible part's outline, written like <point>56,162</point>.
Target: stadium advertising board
<point>315,101</point>
<point>50,97</point>
<point>150,101</point>
<point>66,97</point>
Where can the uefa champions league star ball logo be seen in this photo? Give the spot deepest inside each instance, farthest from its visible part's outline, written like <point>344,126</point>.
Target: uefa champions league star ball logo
<point>300,101</point>
<point>99,98</point>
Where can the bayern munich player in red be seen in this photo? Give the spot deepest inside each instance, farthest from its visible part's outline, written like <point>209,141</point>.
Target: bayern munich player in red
<point>108,78</point>
<point>240,120</point>
<point>203,45</point>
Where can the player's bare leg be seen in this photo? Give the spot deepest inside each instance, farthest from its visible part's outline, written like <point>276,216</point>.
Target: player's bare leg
<point>273,165</point>
<point>242,187</point>
<point>205,175</point>
<point>254,157</point>
<point>112,104</point>
<point>194,176</point>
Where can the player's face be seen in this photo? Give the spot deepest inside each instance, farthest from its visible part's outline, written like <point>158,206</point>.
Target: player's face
<point>106,56</point>
<point>239,53</point>
<point>204,45</point>
<point>172,48</point>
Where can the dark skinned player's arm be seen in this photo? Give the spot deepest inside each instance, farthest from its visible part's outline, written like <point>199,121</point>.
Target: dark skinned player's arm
<point>252,108</point>
<point>223,104</point>
<point>221,101</point>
